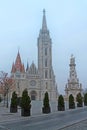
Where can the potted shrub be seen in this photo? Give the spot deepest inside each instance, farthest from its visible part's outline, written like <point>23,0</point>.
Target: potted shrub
<point>71,102</point>
<point>13,105</point>
<point>46,106</point>
<point>79,100</point>
<point>85,99</point>
<point>25,104</point>
<point>61,105</point>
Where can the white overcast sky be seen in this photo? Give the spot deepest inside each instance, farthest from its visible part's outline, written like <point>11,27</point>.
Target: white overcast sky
<point>20,22</point>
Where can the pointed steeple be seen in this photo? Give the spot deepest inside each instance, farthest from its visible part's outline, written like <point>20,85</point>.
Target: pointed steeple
<point>44,24</point>
<point>18,62</point>
<point>18,59</point>
<point>27,66</point>
<point>18,66</point>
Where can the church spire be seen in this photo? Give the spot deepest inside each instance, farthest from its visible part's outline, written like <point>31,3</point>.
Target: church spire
<point>18,61</point>
<point>18,66</point>
<point>44,24</point>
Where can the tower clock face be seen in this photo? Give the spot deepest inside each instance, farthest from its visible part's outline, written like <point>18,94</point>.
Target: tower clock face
<point>32,82</point>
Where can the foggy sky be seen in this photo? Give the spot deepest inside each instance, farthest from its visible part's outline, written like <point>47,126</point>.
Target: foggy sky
<point>20,22</point>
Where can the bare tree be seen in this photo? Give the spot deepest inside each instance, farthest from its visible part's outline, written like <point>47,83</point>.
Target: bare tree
<point>6,84</point>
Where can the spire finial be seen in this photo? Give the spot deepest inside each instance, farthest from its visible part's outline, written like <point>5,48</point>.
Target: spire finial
<point>71,55</point>
<point>43,11</point>
<point>44,25</point>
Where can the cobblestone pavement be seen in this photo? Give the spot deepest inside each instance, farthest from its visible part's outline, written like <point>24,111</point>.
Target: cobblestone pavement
<point>79,126</point>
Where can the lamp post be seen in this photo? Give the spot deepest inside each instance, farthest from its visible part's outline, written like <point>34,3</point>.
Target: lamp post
<point>7,96</point>
<point>18,88</point>
<point>4,98</point>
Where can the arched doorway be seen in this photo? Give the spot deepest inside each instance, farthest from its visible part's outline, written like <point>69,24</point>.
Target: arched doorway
<point>33,95</point>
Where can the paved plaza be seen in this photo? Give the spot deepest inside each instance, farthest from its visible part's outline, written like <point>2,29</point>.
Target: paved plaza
<point>6,116</point>
<point>66,120</point>
<point>78,126</point>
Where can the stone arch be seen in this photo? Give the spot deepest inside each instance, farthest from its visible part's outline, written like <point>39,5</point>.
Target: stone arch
<point>79,93</point>
<point>33,94</point>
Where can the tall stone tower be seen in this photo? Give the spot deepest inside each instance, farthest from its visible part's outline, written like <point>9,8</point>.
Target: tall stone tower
<point>73,86</point>
<point>45,62</point>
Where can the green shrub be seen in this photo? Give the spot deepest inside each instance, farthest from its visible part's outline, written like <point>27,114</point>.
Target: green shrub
<point>46,101</point>
<point>79,100</point>
<point>25,100</point>
<point>46,107</point>
<point>61,105</point>
<point>71,102</point>
<point>14,100</point>
<point>85,99</point>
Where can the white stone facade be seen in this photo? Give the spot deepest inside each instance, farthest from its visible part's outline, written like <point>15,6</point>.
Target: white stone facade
<point>73,86</point>
<point>39,79</point>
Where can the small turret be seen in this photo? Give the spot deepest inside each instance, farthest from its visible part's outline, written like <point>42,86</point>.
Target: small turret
<point>33,69</point>
<point>27,68</point>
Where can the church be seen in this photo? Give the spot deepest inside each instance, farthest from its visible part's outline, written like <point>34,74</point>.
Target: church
<point>39,79</point>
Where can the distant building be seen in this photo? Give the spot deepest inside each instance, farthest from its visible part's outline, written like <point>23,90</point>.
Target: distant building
<point>39,79</point>
<point>73,86</point>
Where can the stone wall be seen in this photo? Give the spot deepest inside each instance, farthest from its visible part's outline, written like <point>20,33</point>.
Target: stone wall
<point>36,107</point>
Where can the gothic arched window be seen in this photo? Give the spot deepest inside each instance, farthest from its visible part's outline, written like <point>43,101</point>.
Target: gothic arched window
<point>46,74</point>
<point>45,62</point>
<point>46,85</point>
<point>33,95</point>
<point>50,73</point>
<point>45,51</point>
